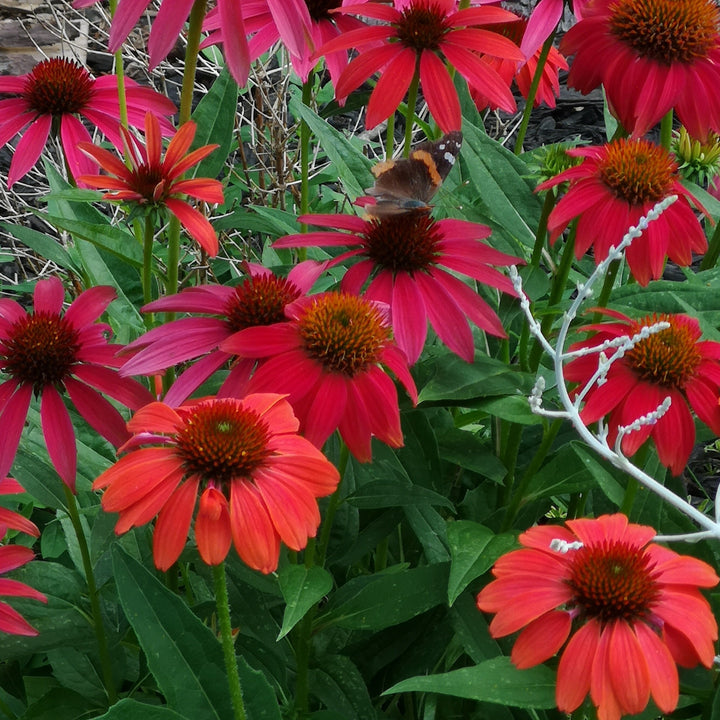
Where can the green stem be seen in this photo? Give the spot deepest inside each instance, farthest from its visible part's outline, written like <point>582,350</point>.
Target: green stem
<point>197,14</point>
<point>541,232</point>
<point>223,612</point>
<point>607,287</point>
<point>530,101</point>
<point>307,93</point>
<point>120,74</point>
<point>303,634</point>
<point>510,449</point>
<point>148,240</point>
<point>390,137</point>
<point>556,293</point>
<point>713,252</point>
<point>513,508</point>
<point>98,626</point>
<point>411,102</point>
<point>666,125</point>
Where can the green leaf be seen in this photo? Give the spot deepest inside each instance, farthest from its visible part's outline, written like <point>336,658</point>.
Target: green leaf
<point>302,588</point>
<point>495,681</point>
<point>514,408</point>
<point>258,695</point>
<point>448,379</point>
<point>471,452</point>
<point>74,671</point>
<point>183,654</point>
<point>348,162</point>
<point>501,180</point>
<point>44,245</point>
<point>389,493</point>
<point>59,704</point>
<point>128,709</point>
<point>339,686</point>
<point>389,598</point>
<point>474,548</point>
<point>215,118</point>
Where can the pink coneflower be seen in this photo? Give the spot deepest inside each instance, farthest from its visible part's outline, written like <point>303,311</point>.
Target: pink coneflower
<point>671,363</point>
<point>12,557</point>
<point>543,20</point>
<point>259,299</point>
<point>616,185</point>
<point>650,56</point>
<point>328,359</point>
<point>168,25</point>
<point>52,95</point>
<point>303,26</point>
<point>412,40</point>
<point>409,260</point>
<point>153,182</point>
<point>509,70</point>
<point>632,611</point>
<point>47,353</point>
<point>258,480</point>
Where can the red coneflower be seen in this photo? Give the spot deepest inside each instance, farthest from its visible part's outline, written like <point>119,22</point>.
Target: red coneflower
<point>47,353</point>
<point>670,363</point>
<point>412,40</point>
<point>153,182</point>
<point>632,611</point>
<point>616,185</point>
<point>258,480</point>
<point>410,260</point>
<point>650,56</point>
<point>59,90</point>
<point>328,359</point>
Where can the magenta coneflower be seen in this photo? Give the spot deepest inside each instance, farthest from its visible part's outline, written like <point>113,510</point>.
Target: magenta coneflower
<point>154,182</point>
<point>616,185</point>
<point>258,480</point>
<point>51,97</point>
<point>168,25</point>
<point>409,260</point>
<point>672,363</point>
<point>47,353</point>
<point>328,360</point>
<point>12,557</point>
<point>416,39</point>
<point>523,73</point>
<point>260,299</point>
<point>303,26</point>
<point>632,610</point>
<point>650,56</point>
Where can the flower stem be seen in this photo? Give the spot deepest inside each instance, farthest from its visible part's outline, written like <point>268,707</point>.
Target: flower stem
<point>607,287</point>
<point>411,102</point>
<point>197,14</point>
<point>303,635</point>
<point>530,101</point>
<point>148,240</point>
<point>713,252</point>
<point>541,232</point>
<point>231,666</point>
<point>120,74</point>
<point>98,626</point>
<point>666,125</point>
<point>556,293</point>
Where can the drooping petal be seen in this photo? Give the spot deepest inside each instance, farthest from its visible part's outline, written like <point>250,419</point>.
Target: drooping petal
<point>173,524</point>
<point>212,526</point>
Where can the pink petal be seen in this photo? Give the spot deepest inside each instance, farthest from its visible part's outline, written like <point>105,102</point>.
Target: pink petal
<point>196,224</point>
<point>391,87</point>
<point>173,525</point>
<point>235,45</point>
<point>574,670</point>
<point>29,147</point>
<point>48,296</point>
<point>97,412</point>
<point>409,316</point>
<point>439,91</point>
<point>166,28</point>
<point>126,17</point>
<point>12,421</point>
<point>541,639</point>
<point>59,435</point>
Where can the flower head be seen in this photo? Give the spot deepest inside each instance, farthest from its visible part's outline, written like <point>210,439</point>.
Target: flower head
<point>523,73</point>
<point>260,299</point>
<point>153,182</point>
<point>616,185</point>
<point>328,359</point>
<point>672,363</point>
<point>409,259</point>
<point>12,557</point>
<point>167,26</point>
<point>257,479</point>
<point>632,610</point>
<point>651,56</point>
<point>48,353</point>
<point>52,95</point>
<point>301,25</point>
<point>416,37</point>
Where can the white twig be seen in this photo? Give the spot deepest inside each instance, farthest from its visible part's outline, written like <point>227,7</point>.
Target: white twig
<point>619,346</point>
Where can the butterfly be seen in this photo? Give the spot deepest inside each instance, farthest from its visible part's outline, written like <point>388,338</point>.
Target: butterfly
<point>408,184</point>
